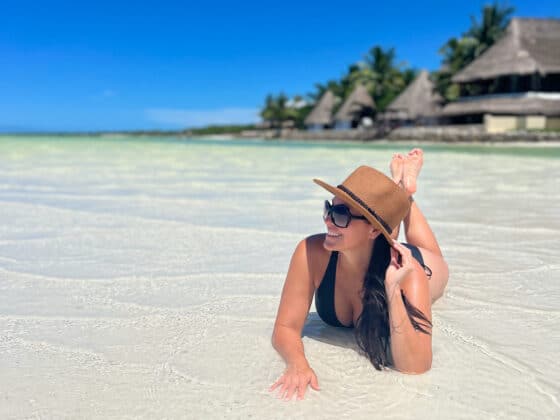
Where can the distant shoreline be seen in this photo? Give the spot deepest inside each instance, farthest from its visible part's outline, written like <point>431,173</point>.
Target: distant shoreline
<point>428,134</point>
<point>437,134</point>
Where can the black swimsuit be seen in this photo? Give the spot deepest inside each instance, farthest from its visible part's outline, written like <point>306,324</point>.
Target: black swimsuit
<point>324,295</point>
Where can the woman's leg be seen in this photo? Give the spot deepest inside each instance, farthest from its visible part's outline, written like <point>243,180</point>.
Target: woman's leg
<point>397,172</point>
<point>418,233</point>
<point>417,230</point>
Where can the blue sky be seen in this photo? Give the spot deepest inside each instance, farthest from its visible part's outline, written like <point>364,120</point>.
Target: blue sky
<point>109,65</point>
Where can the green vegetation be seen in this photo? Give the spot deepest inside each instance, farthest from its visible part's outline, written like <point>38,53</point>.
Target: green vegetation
<point>219,129</point>
<point>385,79</point>
<point>378,72</point>
<point>278,109</point>
<point>204,131</point>
<point>459,52</point>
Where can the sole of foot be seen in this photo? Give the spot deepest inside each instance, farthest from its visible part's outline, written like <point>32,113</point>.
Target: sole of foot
<point>397,167</point>
<point>412,167</point>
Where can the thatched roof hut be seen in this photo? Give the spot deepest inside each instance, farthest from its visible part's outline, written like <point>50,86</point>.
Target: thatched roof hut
<point>321,115</point>
<point>418,101</point>
<point>528,46</point>
<point>523,104</point>
<point>515,84</point>
<point>359,104</point>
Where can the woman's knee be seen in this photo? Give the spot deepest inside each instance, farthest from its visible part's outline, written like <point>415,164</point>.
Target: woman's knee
<point>439,273</point>
<point>439,280</point>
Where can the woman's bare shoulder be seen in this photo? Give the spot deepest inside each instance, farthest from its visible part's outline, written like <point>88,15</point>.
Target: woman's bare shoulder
<point>314,246</point>
<point>317,256</point>
<point>315,242</point>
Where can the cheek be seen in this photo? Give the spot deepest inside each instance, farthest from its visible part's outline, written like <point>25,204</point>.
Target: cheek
<point>359,234</point>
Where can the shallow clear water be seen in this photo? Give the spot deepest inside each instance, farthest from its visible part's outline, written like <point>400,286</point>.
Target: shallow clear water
<point>141,277</point>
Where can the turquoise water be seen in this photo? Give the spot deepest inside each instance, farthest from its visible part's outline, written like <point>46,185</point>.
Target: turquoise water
<point>128,265</point>
<point>516,149</point>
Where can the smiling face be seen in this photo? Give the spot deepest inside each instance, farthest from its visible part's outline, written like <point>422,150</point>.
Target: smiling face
<point>358,233</point>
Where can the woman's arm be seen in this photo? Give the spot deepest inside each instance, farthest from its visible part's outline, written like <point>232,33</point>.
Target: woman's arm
<point>292,313</point>
<point>411,349</point>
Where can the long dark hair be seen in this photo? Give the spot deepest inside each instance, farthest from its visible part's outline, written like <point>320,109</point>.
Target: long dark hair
<point>372,327</point>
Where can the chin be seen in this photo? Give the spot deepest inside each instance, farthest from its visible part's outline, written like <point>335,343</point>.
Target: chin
<point>329,245</point>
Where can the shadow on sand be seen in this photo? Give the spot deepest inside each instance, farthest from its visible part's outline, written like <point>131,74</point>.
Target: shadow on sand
<point>316,329</point>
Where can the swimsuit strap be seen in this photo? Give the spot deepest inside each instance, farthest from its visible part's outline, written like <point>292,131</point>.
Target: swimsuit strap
<point>324,295</point>
<point>418,256</point>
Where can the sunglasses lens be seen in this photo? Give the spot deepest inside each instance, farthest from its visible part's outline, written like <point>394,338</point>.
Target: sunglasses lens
<point>340,216</point>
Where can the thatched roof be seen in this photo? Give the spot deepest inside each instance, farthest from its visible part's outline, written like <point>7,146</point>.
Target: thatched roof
<point>322,112</point>
<point>527,46</point>
<point>419,99</point>
<point>520,104</point>
<point>355,104</point>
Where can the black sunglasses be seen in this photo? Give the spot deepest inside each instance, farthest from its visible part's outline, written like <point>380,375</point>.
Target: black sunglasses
<point>340,214</point>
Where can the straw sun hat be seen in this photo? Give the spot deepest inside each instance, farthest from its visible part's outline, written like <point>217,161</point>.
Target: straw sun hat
<point>374,195</point>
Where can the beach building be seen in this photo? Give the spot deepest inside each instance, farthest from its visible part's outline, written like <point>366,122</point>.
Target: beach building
<point>418,104</point>
<point>320,117</point>
<point>515,84</point>
<point>288,124</point>
<point>358,105</point>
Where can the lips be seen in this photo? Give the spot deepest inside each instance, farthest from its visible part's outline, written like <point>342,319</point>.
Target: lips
<point>331,234</point>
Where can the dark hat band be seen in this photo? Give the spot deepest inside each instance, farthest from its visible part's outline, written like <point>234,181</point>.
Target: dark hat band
<point>365,206</point>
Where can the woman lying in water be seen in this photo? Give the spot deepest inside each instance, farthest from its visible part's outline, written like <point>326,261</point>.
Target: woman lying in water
<point>362,278</point>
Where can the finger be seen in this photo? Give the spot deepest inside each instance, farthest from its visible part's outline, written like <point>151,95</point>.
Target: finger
<point>406,260</point>
<point>394,258</point>
<point>399,247</point>
<point>284,388</point>
<point>291,391</point>
<point>276,384</point>
<point>302,387</point>
<point>404,251</point>
<point>314,382</point>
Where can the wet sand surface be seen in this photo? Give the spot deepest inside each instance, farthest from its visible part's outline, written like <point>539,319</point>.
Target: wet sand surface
<point>140,279</point>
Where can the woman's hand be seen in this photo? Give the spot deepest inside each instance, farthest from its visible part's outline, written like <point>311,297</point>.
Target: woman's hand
<point>295,378</point>
<point>401,265</point>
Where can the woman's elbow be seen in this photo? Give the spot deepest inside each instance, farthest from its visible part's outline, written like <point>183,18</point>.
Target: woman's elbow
<point>274,337</point>
<point>277,336</point>
<point>417,367</point>
<point>422,368</point>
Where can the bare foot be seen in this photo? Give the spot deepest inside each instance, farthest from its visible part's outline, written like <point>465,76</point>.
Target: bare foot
<point>397,168</point>
<point>412,166</point>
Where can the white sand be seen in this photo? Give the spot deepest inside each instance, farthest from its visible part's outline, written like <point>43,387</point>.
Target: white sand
<point>141,280</point>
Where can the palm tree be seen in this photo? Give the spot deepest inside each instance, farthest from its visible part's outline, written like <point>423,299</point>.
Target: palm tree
<point>384,79</point>
<point>275,110</point>
<point>458,53</point>
<point>409,75</point>
<point>336,87</point>
<point>378,72</point>
<point>495,19</point>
